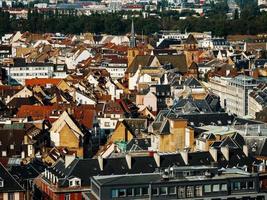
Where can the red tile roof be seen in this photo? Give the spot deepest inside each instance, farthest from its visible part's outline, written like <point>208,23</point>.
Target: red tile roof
<point>84,114</point>
<point>36,112</point>
<point>42,81</point>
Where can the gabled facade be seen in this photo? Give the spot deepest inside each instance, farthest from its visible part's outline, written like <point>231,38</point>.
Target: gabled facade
<point>65,133</point>
<point>171,135</point>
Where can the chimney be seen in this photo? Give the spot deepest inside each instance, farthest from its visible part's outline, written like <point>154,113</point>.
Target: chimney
<point>214,154</point>
<point>184,155</point>
<point>69,159</point>
<point>245,150</point>
<point>101,162</point>
<point>225,152</point>
<point>246,129</point>
<point>129,160</point>
<point>259,130</point>
<point>157,159</point>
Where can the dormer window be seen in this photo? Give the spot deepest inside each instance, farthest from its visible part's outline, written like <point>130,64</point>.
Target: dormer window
<point>1,183</point>
<point>74,182</point>
<point>71,183</point>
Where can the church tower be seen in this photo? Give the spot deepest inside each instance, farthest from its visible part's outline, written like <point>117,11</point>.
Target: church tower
<point>132,51</point>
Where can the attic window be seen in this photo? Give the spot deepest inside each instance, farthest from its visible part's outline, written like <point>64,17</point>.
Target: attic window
<point>74,182</point>
<point>71,183</point>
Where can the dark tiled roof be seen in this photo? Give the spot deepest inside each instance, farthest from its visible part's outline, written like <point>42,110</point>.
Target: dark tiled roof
<point>239,140</point>
<point>138,144</point>
<point>10,184</point>
<point>171,160</point>
<point>200,119</point>
<point>86,168</point>
<point>166,43</point>
<point>165,127</point>
<point>257,146</point>
<point>140,60</point>
<point>229,142</point>
<point>192,83</point>
<point>177,62</point>
<point>17,102</point>
<point>199,158</point>
<point>191,40</point>
<point>237,158</point>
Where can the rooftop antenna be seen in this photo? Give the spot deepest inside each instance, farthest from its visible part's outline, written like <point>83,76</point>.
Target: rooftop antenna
<point>132,39</point>
<point>142,36</point>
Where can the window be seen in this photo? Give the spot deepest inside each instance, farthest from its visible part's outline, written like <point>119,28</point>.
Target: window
<point>77,183</point>
<point>198,191</point>
<point>181,192</point>
<point>207,188</point>
<point>163,190</point>
<point>137,191</point>
<point>114,193</point>
<point>250,185</point>
<point>243,185</point>
<point>67,197</point>
<point>144,191</point>
<point>12,146</point>
<point>172,190</point>
<point>155,191</point>
<point>1,183</point>
<point>236,185</point>
<point>216,188</point>
<point>3,153</point>
<point>129,192</point>
<point>223,187</point>
<point>189,191</point>
<point>122,192</point>
<point>11,196</point>
<point>71,183</point>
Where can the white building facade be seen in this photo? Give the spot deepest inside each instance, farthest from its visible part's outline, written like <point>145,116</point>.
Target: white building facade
<point>233,92</point>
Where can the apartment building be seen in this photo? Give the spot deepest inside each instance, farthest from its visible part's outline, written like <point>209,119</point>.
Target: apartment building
<point>233,92</point>
<point>18,71</point>
<point>257,100</point>
<point>199,182</point>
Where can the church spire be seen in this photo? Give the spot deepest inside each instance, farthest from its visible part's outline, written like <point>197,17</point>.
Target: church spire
<point>132,39</point>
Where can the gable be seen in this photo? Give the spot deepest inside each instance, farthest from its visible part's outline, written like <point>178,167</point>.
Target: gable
<point>67,137</point>
<point>63,120</point>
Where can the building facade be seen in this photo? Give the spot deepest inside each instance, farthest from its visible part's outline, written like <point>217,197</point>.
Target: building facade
<point>233,92</point>
<point>200,182</point>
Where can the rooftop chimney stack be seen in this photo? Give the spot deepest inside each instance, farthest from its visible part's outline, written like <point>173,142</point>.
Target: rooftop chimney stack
<point>245,150</point>
<point>225,152</point>
<point>101,162</point>
<point>128,158</point>
<point>184,155</point>
<point>69,159</point>
<point>214,154</point>
<point>157,159</point>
